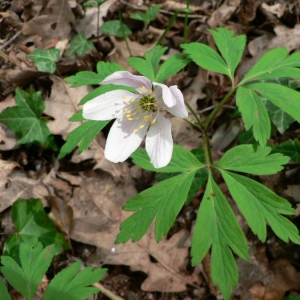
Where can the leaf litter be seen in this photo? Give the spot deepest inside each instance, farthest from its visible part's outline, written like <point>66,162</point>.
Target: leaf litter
<point>86,191</point>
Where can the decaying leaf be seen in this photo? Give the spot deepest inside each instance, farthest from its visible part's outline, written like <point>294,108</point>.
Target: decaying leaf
<point>55,20</point>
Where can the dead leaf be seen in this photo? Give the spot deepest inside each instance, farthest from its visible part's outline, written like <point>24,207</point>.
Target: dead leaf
<point>20,186</point>
<point>62,104</point>
<point>285,37</point>
<point>97,217</point>
<point>88,24</point>
<point>223,13</point>
<point>55,20</point>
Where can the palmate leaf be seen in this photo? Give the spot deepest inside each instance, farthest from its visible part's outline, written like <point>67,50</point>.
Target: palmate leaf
<point>289,148</point>
<point>104,69</point>
<point>34,262</point>
<point>172,66</point>
<point>246,159</point>
<point>217,227</point>
<point>274,64</point>
<point>230,47</point>
<point>279,118</point>
<point>3,291</point>
<point>80,45</point>
<point>73,284</point>
<point>199,180</point>
<point>45,60</point>
<point>285,98</point>
<point>254,114</point>
<point>24,119</point>
<point>114,28</point>
<point>148,66</point>
<point>259,205</point>
<point>206,57</point>
<point>32,222</point>
<point>182,161</point>
<point>162,201</point>
<point>82,136</point>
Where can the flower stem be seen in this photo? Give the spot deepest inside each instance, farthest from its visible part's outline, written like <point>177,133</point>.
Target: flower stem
<point>186,19</point>
<point>123,33</point>
<point>209,119</point>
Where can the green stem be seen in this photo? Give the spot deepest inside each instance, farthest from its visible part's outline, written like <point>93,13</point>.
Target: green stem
<point>170,24</point>
<point>198,123</point>
<point>124,35</point>
<point>207,122</point>
<point>186,19</point>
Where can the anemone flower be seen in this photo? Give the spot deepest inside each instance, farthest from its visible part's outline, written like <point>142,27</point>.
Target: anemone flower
<point>137,115</point>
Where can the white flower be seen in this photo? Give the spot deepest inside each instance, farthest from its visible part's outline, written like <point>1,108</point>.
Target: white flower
<point>137,114</point>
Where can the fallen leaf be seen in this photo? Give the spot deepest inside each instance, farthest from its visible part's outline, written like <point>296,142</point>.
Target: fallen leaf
<point>55,20</point>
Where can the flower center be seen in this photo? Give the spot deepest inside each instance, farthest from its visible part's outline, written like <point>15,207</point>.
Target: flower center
<point>142,108</point>
<point>148,103</point>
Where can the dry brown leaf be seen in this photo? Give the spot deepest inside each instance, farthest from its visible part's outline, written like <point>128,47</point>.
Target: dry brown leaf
<point>5,168</point>
<point>62,104</point>
<point>20,186</point>
<point>7,138</point>
<point>61,214</point>
<point>223,13</point>
<point>55,20</point>
<point>97,217</point>
<point>88,24</point>
<point>285,37</point>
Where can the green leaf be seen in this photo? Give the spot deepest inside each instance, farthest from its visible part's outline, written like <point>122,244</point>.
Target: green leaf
<point>80,45</point>
<point>230,47</point>
<point>73,284</point>
<point>279,118</point>
<point>32,222</point>
<point>152,12</point>
<point>199,180</point>
<point>34,262</point>
<point>182,161</point>
<point>289,148</point>
<point>162,201</point>
<point>254,114</point>
<point>77,117</point>
<point>82,136</point>
<point>148,66</point>
<point>259,205</point>
<point>138,16</point>
<point>283,97</point>
<point>104,69</point>
<point>172,66</point>
<point>3,291</point>
<point>45,60</point>
<point>259,161</point>
<point>275,63</point>
<point>93,3</point>
<point>206,57</point>
<point>24,119</point>
<point>114,28</point>
<point>217,227</point>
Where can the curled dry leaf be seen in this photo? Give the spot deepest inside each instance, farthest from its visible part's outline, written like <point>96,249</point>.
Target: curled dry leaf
<point>285,36</point>
<point>62,104</point>
<point>223,13</point>
<point>61,214</point>
<point>55,20</point>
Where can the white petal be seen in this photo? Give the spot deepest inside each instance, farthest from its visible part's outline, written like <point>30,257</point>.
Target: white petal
<point>127,79</point>
<point>122,141</point>
<point>106,106</point>
<point>159,142</point>
<point>166,94</point>
<point>179,110</point>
